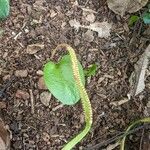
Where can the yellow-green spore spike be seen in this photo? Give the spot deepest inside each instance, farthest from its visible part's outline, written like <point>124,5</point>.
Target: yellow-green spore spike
<point>84,100</point>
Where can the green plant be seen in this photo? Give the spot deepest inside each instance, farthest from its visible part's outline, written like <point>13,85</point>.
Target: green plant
<point>91,71</point>
<point>144,120</point>
<point>146,17</point>
<point>4,8</point>
<point>60,81</point>
<point>66,82</point>
<point>133,19</point>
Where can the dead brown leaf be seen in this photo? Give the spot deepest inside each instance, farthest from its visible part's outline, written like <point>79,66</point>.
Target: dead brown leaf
<point>34,48</point>
<point>118,103</point>
<point>137,83</point>
<point>4,137</point>
<point>120,7</point>
<point>102,28</point>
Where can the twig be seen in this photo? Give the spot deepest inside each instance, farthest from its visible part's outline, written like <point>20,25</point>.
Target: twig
<point>32,101</point>
<point>86,3</point>
<point>112,146</point>
<point>57,107</point>
<point>53,53</point>
<point>16,36</point>
<point>117,137</point>
<point>141,141</point>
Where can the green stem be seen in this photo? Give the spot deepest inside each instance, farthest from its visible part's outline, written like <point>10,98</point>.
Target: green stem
<point>77,139</point>
<point>84,100</point>
<point>144,120</point>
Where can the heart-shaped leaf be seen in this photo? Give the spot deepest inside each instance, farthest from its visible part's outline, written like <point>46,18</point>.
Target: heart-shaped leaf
<point>4,8</point>
<point>60,80</point>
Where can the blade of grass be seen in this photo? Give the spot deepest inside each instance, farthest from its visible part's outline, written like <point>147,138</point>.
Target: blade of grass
<point>144,120</point>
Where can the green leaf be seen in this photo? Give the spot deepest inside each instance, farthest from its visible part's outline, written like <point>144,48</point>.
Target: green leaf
<point>146,17</point>
<point>4,8</point>
<point>91,71</point>
<point>133,19</point>
<point>60,80</point>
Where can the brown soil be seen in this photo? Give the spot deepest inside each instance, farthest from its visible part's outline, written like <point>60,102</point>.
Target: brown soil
<point>47,128</point>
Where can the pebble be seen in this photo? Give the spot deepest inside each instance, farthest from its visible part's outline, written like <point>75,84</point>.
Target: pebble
<point>63,25</point>
<point>21,73</point>
<point>41,84</point>
<point>6,77</point>
<point>39,72</point>
<point>90,17</point>
<point>88,36</point>
<point>148,104</point>
<point>45,137</point>
<point>76,41</point>
<point>22,94</point>
<point>45,98</point>
<point>81,118</point>
<point>26,30</point>
<point>2,105</point>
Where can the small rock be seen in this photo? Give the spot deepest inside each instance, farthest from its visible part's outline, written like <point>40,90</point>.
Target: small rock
<point>148,104</point>
<point>5,55</point>
<point>26,30</point>
<point>41,84</point>
<point>29,9</point>
<point>88,36</point>
<point>13,33</point>
<point>76,41</point>
<point>39,72</point>
<point>2,105</point>
<point>46,137</point>
<point>90,17</point>
<point>45,98</point>
<point>81,118</point>
<point>21,73</point>
<point>113,45</point>
<point>6,77</point>
<point>22,94</point>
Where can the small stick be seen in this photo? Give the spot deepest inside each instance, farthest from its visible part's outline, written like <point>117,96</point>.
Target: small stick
<point>32,101</point>
<point>57,107</point>
<point>141,141</point>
